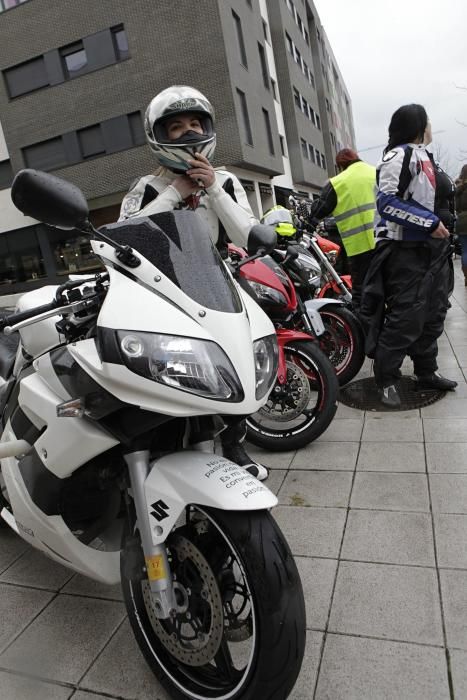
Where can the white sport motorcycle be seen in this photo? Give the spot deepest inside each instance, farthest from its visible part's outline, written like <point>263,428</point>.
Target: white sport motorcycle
<point>109,409</point>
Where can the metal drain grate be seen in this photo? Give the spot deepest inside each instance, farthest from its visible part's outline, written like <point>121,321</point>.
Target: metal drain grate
<point>363,394</point>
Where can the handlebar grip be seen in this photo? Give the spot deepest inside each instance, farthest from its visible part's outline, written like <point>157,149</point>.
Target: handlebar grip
<point>23,315</point>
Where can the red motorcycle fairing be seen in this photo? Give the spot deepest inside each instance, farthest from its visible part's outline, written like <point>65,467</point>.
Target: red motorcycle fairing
<point>326,245</point>
<point>333,287</point>
<point>284,336</point>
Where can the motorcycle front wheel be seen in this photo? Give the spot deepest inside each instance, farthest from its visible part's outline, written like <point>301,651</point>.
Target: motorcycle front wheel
<point>239,633</point>
<point>300,410</point>
<point>343,342</point>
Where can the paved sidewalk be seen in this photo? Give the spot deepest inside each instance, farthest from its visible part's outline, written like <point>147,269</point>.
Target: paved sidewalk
<point>375,512</point>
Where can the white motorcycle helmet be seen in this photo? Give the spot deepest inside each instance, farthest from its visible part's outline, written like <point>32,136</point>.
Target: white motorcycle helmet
<point>174,154</point>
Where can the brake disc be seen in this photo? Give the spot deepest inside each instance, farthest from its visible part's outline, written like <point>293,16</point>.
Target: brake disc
<point>189,639</point>
<point>288,401</point>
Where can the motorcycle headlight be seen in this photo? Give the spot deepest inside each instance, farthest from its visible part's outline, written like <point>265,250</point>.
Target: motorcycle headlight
<point>266,353</point>
<point>197,366</point>
<point>267,294</point>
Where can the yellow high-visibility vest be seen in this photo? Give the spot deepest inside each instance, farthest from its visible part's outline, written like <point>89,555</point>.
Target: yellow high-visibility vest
<point>355,188</point>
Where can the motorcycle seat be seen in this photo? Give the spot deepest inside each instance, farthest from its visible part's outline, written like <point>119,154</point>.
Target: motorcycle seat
<point>8,347</point>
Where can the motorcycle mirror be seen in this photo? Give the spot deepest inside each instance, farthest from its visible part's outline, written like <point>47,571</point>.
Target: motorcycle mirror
<point>293,251</point>
<point>50,199</point>
<point>261,237</point>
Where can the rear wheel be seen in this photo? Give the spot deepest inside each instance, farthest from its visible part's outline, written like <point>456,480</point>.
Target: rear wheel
<point>300,410</point>
<point>240,630</point>
<point>343,342</point>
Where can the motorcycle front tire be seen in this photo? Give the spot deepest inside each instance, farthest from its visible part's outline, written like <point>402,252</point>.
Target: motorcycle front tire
<point>277,602</point>
<point>348,327</point>
<point>283,439</point>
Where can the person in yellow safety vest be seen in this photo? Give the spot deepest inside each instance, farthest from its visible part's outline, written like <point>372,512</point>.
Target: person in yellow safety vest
<point>350,198</point>
<point>282,220</point>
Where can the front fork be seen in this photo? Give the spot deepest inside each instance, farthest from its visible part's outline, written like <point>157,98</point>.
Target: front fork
<point>155,556</point>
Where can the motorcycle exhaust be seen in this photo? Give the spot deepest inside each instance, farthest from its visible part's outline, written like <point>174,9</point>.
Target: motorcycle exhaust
<point>14,448</point>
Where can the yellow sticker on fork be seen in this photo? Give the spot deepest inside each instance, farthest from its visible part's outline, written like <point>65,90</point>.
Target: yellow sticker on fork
<point>155,567</point>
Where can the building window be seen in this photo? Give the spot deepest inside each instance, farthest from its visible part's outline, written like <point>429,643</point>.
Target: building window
<point>297,98</point>
<point>6,174</point>
<point>323,161</point>
<point>241,43</point>
<point>264,65</point>
<point>290,6</point>
<point>289,44</point>
<point>245,117</point>
<point>267,124</point>
<point>304,148</point>
<point>26,77</point>
<point>92,53</point>
<point>74,59</point>
<point>318,121</point>
<point>306,37</point>
<point>46,155</point>
<point>311,153</point>
<point>274,89</point>
<point>282,143</point>
<point>20,257</point>
<point>317,156</point>
<point>110,136</point>
<point>73,254</point>
<point>265,31</point>
<point>120,40</point>
<point>91,141</point>
<point>7,4</point>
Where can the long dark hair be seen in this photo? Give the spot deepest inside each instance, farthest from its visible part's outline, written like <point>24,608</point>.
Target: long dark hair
<point>462,179</point>
<point>407,124</point>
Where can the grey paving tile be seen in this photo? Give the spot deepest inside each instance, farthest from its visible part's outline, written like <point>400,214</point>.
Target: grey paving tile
<point>11,547</point>
<point>371,669</point>
<point>275,480</point>
<point>461,354</point>
<point>395,538</point>
<point>36,569</point>
<point>383,491</point>
<point>445,429</point>
<point>344,411</point>
<point>449,492</point>
<point>62,642</point>
<point>446,409</point>
<point>312,531</point>
<point>459,393</point>
<point>391,457</point>
<point>451,540</point>
<point>316,488</point>
<point>303,688</point>
<point>459,673</point>
<point>81,695</point>
<point>394,602</point>
<point>84,586</point>
<point>121,670</point>
<point>272,460</point>
<point>327,455</point>
<point>18,606</point>
<point>454,593</point>
<point>446,457</point>
<point>317,577</point>
<point>14,687</point>
<point>394,430</point>
<point>392,415</point>
<point>342,430</point>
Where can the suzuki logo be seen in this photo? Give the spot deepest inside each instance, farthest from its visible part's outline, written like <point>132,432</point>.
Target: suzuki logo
<point>159,510</point>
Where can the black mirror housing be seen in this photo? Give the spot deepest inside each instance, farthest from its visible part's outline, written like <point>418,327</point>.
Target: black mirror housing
<point>261,237</point>
<point>49,199</point>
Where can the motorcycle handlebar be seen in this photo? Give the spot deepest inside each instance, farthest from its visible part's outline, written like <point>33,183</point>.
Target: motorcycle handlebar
<point>24,315</point>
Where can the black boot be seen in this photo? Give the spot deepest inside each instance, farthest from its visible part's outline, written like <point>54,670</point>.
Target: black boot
<point>435,381</point>
<point>232,448</point>
<point>389,396</point>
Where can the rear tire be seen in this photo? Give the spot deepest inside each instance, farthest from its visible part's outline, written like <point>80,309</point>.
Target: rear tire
<point>344,343</point>
<point>322,380</point>
<point>275,610</point>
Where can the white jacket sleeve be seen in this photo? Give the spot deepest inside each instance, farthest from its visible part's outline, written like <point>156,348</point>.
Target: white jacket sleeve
<point>236,217</point>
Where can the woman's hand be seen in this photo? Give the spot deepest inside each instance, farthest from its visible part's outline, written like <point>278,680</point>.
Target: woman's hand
<point>440,231</point>
<point>185,186</point>
<point>201,171</point>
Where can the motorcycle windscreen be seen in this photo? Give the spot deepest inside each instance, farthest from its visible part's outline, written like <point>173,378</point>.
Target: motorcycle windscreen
<point>179,245</point>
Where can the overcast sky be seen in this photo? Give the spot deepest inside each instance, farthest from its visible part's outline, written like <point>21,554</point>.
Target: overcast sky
<point>397,52</point>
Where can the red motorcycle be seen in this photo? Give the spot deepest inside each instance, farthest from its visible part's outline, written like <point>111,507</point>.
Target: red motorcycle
<point>304,399</point>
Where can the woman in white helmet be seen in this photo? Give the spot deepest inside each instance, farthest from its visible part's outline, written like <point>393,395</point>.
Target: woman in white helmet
<point>179,126</point>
